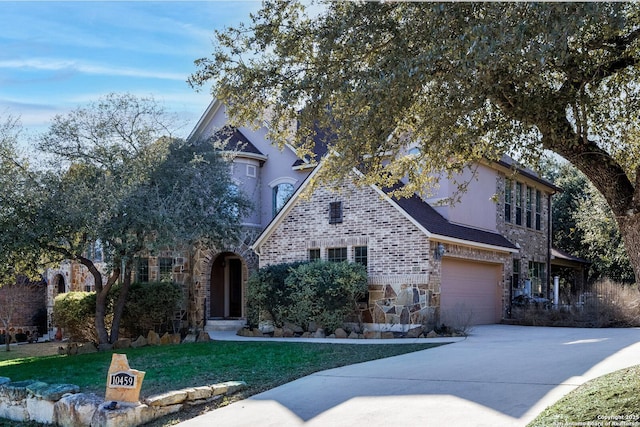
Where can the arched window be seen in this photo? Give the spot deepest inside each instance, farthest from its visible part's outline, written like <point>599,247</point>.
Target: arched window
<point>281,194</point>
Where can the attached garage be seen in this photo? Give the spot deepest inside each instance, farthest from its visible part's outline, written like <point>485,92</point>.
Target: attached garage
<point>470,293</point>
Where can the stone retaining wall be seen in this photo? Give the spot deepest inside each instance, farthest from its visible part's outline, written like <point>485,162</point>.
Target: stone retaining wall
<point>62,405</point>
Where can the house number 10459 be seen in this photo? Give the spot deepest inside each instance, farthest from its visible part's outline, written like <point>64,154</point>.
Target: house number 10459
<point>122,380</point>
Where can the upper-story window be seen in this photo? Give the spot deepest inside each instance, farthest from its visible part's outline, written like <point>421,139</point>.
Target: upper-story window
<point>518,203</point>
<point>335,212</point>
<point>538,209</point>
<point>281,191</point>
<point>508,199</point>
<point>529,206</point>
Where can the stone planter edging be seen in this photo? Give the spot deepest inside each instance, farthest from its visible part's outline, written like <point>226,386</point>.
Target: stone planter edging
<point>63,405</point>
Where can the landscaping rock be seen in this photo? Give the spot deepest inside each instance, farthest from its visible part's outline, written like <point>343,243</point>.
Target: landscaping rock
<point>319,333</point>
<point>266,326</point>
<point>244,332</point>
<point>122,343</point>
<point>40,410</point>
<point>190,338</point>
<point>153,338</point>
<point>353,335</point>
<point>340,333</point>
<point>257,333</point>
<point>387,335</point>
<point>278,333</point>
<point>432,334</point>
<point>87,348</point>
<point>72,348</point>
<point>370,335</point>
<point>16,390</point>
<point>166,399</point>
<point>76,409</point>
<point>199,393</point>
<point>414,332</point>
<point>52,392</point>
<point>287,332</point>
<point>139,342</point>
<point>306,335</point>
<point>203,336</point>
<point>295,328</point>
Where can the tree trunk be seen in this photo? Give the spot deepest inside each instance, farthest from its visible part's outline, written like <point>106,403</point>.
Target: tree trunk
<point>101,297</point>
<point>630,230</point>
<point>118,309</point>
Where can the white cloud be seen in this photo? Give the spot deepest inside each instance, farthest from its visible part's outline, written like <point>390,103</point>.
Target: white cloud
<point>45,64</point>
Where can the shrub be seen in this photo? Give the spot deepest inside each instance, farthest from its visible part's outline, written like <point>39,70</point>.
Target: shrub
<point>150,306</point>
<point>74,312</point>
<point>324,292</point>
<point>607,304</point>
<point>266,292</point>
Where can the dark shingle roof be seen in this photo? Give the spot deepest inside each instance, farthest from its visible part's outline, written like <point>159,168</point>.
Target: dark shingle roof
<point>234,140</point>
<point>435,223</point>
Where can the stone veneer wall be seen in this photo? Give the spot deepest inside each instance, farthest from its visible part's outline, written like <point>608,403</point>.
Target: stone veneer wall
<point>533,244</point>
<point>399,261</point>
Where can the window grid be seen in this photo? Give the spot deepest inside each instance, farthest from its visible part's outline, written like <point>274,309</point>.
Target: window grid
<point>143,270</point>
<point>335,212</point>
<point>360,255</point>
<point>518,203</point>
<point>314,255</point>
<point>529,205</point>
<point>336,254</point>
<point>166,269</point>
<point>538,210</point>
<point>508,199</point>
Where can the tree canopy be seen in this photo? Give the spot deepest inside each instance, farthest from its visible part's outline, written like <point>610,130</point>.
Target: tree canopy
<point>120,181</point>
<point>464,81</point>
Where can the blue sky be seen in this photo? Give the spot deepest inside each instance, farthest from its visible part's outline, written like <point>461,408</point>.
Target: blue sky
<point>55,56</point>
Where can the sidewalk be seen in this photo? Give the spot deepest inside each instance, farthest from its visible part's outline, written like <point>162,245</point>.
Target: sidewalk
<point>500,376</point>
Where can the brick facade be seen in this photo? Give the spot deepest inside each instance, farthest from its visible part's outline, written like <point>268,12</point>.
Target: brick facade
<point>404,271</point>
<point>29,304</point>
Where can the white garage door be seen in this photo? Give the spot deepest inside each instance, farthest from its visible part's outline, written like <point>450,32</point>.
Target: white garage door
<point>471,293</point>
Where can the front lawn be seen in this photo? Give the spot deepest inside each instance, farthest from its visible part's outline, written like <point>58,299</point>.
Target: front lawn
<point>610,400</point>
<point>262,365</point>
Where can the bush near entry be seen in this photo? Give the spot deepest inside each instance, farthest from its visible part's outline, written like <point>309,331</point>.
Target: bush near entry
<point>323,292</point>
<point>149,306</point>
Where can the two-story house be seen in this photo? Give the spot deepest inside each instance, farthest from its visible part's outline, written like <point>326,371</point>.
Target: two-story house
<point>427,260</point>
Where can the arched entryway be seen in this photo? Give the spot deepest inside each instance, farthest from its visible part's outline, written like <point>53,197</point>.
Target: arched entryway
<point>59,284</point>
<point>228,273</point>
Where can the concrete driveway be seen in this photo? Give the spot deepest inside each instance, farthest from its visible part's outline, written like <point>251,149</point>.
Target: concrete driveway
<point>499,376</point>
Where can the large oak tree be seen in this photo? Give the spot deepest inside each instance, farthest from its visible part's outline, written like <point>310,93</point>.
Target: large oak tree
<point>464,80</point>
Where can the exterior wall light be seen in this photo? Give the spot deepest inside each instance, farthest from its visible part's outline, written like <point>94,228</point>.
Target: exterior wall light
<point>440,250</point>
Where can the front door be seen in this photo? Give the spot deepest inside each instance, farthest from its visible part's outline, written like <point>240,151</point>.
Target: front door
<point>226,287</point>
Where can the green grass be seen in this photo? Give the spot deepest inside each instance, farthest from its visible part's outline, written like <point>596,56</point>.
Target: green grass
<point>609,400</point>
<point>262,365</point>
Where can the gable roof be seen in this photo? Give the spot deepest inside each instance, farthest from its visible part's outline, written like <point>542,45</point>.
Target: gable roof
<point>234,140</point>
<point>416,210</point>
<point>439,227</point>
